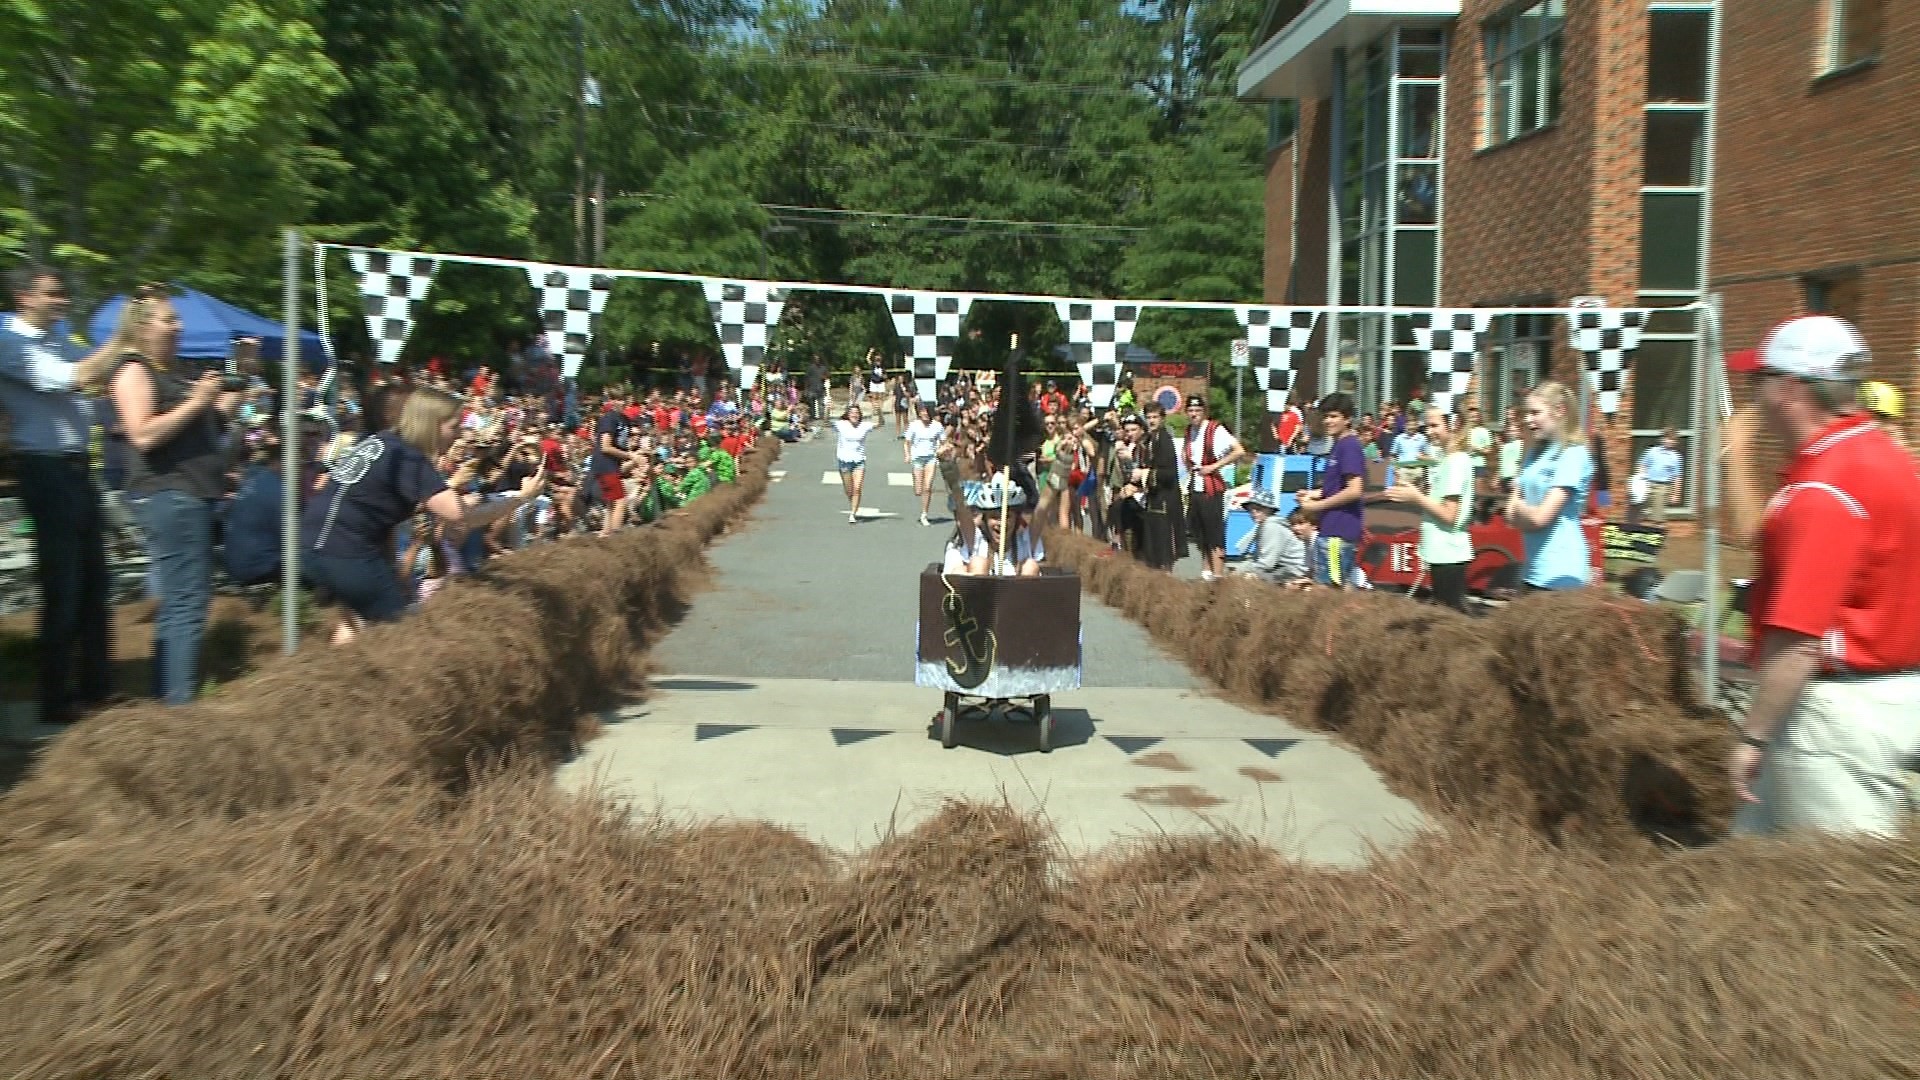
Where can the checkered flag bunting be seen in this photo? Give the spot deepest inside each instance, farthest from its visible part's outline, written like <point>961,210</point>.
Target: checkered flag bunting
<point>744,315</point>
<point>1096,332</point>
<point>390,286</point>
<point>571,301</point>
<point>1607,337</point>
<point>1274,335</point>
<point>1452,342</point>
<point>930,325</point>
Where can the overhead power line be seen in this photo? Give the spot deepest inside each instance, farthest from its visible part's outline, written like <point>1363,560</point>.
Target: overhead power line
<point>897,215</point>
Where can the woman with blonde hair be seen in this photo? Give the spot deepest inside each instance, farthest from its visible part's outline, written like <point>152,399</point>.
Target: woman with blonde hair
<point>1446,508</point>
<point>1551,492</point>
<point>176,426</point>
<point>372,489</point>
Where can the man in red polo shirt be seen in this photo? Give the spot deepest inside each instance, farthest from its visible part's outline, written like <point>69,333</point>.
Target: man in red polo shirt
<point>1835,722</point>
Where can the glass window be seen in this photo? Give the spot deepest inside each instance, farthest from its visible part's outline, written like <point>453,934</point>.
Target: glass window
<point>1419,195</point>
<point>1662,319</point>
<point>1852,33</point>
<point>1662,383</point>
<point>1419,63</point>
<point>1677,45</point>
<point>1522,52</point>
<point>1833,295</point>
<point>1670,240</point>
<point>1420,121</point>
<point>1676,149</point>
<point>1415,266</point>
<point>1281,116</point>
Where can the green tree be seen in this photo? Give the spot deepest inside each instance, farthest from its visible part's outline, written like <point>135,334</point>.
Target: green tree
<point>161,138</point>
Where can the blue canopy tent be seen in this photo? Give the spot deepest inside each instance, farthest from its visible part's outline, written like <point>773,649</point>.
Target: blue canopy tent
<point>208,326</point>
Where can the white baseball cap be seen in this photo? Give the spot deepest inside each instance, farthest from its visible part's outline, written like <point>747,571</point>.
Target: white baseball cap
<point>1814,347</point>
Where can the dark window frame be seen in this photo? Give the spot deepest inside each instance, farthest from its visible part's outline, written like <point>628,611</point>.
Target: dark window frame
<point>1526,38</point>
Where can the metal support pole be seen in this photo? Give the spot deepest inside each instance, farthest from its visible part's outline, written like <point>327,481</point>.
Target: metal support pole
<point>1713,346</point>
<point>579,139</point>
<point>290,360</point>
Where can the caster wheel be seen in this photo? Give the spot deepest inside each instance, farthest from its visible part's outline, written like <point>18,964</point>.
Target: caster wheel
<point>1043,715</point>
<point>945,721</point>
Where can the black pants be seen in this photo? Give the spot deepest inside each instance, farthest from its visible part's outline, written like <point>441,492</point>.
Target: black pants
<point>69,537</point>
<point>1449,584</point>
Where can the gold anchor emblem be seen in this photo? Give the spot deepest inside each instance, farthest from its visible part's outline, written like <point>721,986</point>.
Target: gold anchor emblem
<point>970,646</point>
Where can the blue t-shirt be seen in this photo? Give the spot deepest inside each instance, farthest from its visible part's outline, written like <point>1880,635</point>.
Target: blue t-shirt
<point>252,551</point>
<point>1557,556</point>
<point>612,422</point>
<point>1347,460</point>
<point>370,490</point>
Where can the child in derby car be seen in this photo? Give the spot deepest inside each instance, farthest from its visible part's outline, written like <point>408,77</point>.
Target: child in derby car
<point>987,508</point>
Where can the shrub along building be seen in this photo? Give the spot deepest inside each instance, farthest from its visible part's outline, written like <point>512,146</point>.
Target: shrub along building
<point>1498,153</point>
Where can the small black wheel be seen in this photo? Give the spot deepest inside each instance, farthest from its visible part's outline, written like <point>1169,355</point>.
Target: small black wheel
<point>1043,715</point>
<point>951,701</point>
<point>946,721</point>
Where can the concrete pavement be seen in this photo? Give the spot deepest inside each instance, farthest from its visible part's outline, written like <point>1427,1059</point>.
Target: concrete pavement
<point>786,695</point>
<point>845,762</point>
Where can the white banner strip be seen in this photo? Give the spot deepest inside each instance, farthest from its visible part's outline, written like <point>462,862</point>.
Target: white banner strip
<point>1021,298</point>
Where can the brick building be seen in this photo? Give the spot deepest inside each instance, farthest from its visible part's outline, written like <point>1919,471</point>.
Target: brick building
<point>1507,153</point>
<point>1817,187</point>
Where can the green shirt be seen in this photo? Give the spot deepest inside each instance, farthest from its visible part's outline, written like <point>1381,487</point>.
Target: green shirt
<point>720,462</point>
<point>695,484</point>
<point>1510,452</point>
<point>1445,544</point>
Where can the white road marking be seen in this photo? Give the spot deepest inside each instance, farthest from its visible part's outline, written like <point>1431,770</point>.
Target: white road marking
<point>900,479</point>
<point>831,476</point>
<point>777,475</point>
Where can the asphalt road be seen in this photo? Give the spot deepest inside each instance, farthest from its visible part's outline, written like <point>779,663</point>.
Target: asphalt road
<point>786,694</point>
<point>803,595</point>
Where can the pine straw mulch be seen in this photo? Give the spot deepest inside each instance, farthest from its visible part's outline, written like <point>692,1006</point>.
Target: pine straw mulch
<point>1572,715</point>
<point>387,928</point>
<point>507,659</point>
<point>377,881</point>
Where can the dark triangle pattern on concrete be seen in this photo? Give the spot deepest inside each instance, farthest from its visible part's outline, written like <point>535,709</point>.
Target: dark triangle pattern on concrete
<point>1273,748</point>
<point>1133,744</point>
<point>703,732</point>
<point>849,736</point>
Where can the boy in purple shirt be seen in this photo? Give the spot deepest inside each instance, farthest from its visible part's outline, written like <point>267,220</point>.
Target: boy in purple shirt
<point>1338,503</point>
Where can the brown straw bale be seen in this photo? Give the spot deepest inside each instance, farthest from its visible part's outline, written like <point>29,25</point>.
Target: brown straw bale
<point>512,931</point>
<point>504,660</point>
<point>1613,723</point>
<point>1572,713</point>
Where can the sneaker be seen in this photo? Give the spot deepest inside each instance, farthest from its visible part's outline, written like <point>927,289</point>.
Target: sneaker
<point>923,520</point>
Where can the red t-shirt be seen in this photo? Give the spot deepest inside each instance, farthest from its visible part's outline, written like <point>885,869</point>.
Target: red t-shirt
<point>1285,428</point>
<point>699,422</point>
<point>733,444</point>
<point>632,411</point>
<point>1837,544</point>
<point>660,417</point>
<point>550,453</point>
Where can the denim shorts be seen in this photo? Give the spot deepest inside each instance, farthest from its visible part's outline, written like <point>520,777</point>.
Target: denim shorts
<point>370,588</point>
<point>923,462</point>
<point>848,468</point>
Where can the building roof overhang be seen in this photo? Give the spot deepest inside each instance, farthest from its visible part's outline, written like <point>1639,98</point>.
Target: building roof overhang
<point>1297,62</point>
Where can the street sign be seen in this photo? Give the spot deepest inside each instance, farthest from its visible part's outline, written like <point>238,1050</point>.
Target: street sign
<point>1587,302</point>
<point>1242,353</point>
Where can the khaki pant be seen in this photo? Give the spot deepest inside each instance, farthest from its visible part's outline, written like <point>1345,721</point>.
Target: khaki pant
<point>1659,496</point>
<point>1841,763</point>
